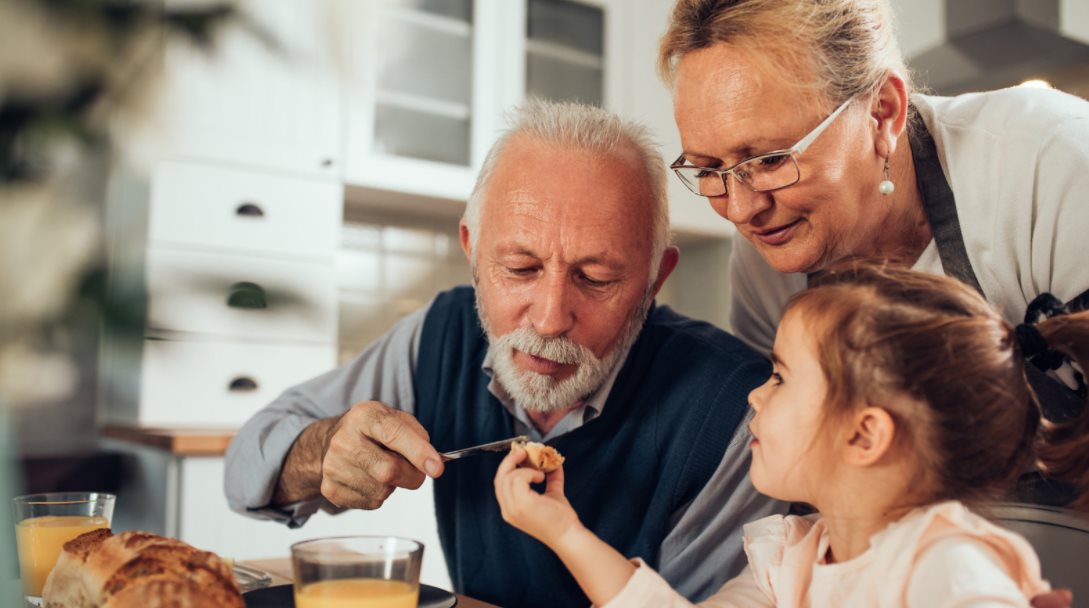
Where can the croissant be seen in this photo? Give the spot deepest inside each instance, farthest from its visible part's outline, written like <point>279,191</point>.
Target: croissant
<point>138,570</point>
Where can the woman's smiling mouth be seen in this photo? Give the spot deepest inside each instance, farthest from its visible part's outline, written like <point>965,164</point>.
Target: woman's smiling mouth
<point>776,236</point>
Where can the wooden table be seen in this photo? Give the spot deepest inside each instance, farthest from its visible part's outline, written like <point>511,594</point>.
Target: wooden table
<point>280,569</point>
<point>179,442</point>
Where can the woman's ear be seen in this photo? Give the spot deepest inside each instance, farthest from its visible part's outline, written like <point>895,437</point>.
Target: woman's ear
<point>889,113</point>
<point>871,435</point>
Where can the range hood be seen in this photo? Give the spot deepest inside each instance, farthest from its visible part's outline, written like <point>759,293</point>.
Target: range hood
<point>996,43</point>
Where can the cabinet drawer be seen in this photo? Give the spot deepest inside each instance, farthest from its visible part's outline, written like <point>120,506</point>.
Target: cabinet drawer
<point>220,383</point>
<point>210,207</point>
<point>241,297</point>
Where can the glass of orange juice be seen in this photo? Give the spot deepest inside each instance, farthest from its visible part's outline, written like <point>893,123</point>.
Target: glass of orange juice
<point>357,572</point>
<point>44,522</point>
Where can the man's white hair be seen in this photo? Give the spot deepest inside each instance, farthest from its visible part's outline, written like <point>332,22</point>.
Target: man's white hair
<point>586,128</point>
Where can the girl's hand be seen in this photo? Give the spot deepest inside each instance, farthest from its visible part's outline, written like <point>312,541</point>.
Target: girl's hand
<point>548,517</point>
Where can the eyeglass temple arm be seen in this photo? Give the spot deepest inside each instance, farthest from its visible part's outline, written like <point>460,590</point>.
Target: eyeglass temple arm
<point>815,133</point>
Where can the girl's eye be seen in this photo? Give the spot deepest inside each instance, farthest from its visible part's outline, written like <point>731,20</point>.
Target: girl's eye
<point>776,378</point>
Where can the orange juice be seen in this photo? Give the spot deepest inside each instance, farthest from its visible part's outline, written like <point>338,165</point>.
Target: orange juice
<point>357,593</point>
<point>40,539</point>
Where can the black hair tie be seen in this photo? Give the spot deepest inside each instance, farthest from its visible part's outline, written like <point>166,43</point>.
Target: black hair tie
<point>1034,348</point>
<point>1044,306</point>
<point>1030,340</point>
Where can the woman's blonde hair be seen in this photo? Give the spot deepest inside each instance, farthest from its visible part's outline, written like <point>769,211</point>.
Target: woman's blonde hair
<point>847,46</point>
<point>970,416</point>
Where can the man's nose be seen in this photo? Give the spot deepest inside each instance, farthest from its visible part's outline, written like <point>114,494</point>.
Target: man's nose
<point>551,312</point>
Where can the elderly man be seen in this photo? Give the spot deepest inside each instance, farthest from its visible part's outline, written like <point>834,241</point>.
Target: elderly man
<point>567,235</point>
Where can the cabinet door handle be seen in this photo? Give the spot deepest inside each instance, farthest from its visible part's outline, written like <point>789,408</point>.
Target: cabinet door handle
<point>247,295</point>
<point>242,384</point>
<point>249,210</point>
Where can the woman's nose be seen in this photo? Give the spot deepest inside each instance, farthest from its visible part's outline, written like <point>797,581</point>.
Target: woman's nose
<point>741,204</point>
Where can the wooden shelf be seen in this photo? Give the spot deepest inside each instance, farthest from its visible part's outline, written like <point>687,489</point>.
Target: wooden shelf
<point>180,442</point>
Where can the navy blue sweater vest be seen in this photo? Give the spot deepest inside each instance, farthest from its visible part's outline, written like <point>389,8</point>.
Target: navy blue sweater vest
<point>665,426</point>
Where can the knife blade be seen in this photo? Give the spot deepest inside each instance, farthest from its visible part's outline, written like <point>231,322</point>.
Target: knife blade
<point>495,446</point>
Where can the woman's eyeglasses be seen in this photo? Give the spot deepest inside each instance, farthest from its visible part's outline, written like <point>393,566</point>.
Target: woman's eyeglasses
<point>770,171</point>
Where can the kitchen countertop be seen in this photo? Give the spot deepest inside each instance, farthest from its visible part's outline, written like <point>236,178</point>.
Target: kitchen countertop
<point>179,442</point>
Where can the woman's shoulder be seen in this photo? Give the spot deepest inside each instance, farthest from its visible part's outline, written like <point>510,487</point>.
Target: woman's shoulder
<point>1023,109</point>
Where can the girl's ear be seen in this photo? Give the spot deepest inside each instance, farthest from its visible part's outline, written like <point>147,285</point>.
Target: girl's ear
<point>870,437</point>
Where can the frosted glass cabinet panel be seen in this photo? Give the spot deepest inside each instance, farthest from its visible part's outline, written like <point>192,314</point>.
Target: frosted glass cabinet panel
<point>565,43</point>
<point>458,9</point>
<point>424,70</point>
<point>570,24</point>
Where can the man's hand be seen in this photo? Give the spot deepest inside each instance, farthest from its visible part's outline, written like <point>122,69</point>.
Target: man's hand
<point>358,459</point>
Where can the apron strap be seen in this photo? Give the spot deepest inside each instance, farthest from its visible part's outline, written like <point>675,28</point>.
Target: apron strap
<point>1057,401</point>
<point>940,208</point>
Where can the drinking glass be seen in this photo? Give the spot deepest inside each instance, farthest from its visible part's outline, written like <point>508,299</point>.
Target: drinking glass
<point>44,522</point>
<point>357,572</point>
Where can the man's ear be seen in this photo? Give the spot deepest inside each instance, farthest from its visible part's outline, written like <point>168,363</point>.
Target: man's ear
<point>872,432</point>
<point>670,257</point>
<point>889,113</point>
<point>466,241</point>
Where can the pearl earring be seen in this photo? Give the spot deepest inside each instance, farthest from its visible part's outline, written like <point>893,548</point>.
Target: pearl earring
<point>886,187</point>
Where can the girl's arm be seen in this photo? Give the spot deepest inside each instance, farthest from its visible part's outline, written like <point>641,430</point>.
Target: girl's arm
<point>604,574</point>
<point>600,570</point>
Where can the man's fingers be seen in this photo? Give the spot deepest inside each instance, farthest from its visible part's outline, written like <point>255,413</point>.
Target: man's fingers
<point>349,497</point>
<point>414,424</point>
<point>398,435</point>
<point>382,466</point>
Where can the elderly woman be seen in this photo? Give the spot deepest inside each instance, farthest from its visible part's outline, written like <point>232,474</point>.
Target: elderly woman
<point>799,124</point>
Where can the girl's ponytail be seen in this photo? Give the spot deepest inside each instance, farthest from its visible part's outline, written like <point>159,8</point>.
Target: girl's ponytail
<point>1062,448</point>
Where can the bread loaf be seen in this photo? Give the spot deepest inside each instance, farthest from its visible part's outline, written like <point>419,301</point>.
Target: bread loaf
<point>138,570</point>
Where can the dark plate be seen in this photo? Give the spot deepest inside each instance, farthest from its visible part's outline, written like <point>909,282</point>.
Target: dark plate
<point>283,596</point>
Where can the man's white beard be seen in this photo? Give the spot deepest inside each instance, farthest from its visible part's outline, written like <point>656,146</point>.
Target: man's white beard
<point>539,392</point>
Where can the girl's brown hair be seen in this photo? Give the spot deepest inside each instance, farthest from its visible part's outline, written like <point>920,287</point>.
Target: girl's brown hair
<point>885,332</point>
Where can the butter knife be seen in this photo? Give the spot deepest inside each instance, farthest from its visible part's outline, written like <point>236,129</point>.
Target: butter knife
<point>495,446</point>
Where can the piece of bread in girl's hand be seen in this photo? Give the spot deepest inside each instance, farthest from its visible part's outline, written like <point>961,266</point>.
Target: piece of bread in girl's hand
<point>542,457</point>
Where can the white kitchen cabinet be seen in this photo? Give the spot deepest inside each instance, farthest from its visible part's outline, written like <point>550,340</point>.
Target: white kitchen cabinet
<point>269,100</point>
<point>235,272</point>
<point>638,92</point>
<point>428,84</point>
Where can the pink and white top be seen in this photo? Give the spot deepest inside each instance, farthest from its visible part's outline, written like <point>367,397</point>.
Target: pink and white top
<point>939,556</point>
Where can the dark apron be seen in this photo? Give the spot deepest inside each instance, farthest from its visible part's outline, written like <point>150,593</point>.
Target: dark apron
<point>1057,401</point>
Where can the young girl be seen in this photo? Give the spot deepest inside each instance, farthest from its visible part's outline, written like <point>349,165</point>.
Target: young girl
<point>896,397</point>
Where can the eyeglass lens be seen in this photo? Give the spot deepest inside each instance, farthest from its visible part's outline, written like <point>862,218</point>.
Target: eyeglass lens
<point>762,173</point>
